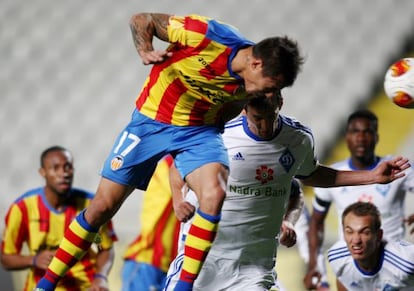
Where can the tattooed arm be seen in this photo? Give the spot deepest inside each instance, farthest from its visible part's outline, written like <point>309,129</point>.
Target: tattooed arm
<point>144,26</point>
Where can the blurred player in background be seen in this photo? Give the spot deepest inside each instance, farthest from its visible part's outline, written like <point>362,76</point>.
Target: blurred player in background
<point>364,260</point>
<point>207,65</point>
<point>302,229</point>
<point>148,257</point>
<point>39,218</point>
<point>361,137</point>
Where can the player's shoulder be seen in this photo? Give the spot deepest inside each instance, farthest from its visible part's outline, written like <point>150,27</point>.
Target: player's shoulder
<point>220,31</point>
<point>188,29</point>
<point>29,194</point>
<point>339,256</point>
<point>189,22</point>
<point>294,123</point>
<point>235,122</point>
<point>294,129</point>
<point>338,251</point>
<point>195,17</point>
<point>199,26</point>
<point>235,127</point>
<point>400,247</point>
<point>400,254</point>
<point>338,246</point>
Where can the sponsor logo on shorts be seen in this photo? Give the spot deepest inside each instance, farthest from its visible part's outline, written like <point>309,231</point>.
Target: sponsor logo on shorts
<point>117,163</point>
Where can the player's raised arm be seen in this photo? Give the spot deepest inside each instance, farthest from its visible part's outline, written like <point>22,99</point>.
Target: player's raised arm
<point>384,173</point>
<point>144,26</point>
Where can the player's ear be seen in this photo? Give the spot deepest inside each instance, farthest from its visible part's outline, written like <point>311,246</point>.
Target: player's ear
<point>256,63</point>
<point>42,172</point>
<point>380,234</point>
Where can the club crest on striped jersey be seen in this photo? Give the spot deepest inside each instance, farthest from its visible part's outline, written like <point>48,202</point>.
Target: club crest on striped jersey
<point>117,163</point>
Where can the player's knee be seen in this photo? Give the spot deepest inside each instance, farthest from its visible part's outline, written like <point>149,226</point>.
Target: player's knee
<point>99,212</point>
<point>211,201</point>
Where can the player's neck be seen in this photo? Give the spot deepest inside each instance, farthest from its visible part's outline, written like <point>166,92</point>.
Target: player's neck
<point>57,201</point>
<point>240,61</point>
<point>372,263</point>
<point>364,163</point>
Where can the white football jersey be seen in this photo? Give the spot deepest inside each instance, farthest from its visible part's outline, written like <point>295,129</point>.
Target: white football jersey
<point>389,198</point>
<point>396,270</point>
<point>258,189</point>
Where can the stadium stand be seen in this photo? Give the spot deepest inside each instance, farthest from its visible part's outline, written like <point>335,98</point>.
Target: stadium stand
<point>69,73</point>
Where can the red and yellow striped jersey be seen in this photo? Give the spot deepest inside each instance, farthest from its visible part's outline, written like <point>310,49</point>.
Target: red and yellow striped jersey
<point>190,87</point>
<point>31,220</point>
<point>157,242</point>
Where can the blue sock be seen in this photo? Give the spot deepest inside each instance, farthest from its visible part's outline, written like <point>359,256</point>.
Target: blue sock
<point>44,285</point>
<point>183,286</point>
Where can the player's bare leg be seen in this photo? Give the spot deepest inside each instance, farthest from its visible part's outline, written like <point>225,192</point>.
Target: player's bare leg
<point>209,183</point>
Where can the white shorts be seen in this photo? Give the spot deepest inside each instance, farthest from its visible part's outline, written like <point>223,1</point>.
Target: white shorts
<point>225,274</point>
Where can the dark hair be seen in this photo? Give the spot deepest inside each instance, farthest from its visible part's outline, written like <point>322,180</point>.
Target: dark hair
<point>364,209</point>
<point>280,55</point>
<point>261,101</point>
<point>49,150</point>
<point>365,114</point>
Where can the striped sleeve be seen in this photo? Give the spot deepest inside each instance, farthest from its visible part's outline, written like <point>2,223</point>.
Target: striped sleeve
<point>187,31</point>
<point>16,231</point>
<point>401,256</point>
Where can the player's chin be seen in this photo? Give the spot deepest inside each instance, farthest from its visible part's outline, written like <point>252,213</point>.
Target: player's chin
<point>63,189</point>
<point>252,88</point>
<point>357,255</point>
<point>266,135</point>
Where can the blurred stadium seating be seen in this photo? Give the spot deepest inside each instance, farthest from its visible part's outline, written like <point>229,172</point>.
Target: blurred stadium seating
<point>69,72</point>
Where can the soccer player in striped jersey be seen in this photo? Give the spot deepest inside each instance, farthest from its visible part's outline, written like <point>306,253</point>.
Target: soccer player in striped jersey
<point>148,256</point>
<point>207,65</point>
<point>364,260</point>
<point>39,218</point>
